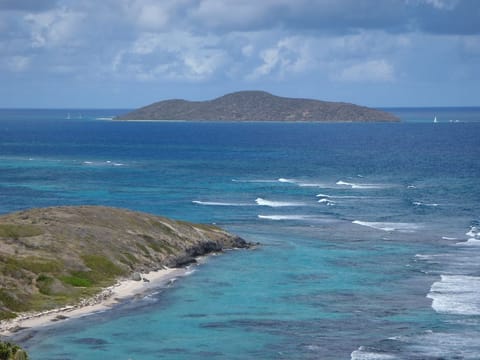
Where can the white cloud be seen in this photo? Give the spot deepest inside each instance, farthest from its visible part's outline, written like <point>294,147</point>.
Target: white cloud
<point>442,4</point>
<point>368,71</point>
<point>54,28</point>
<point>17,63</point>
<point>147,14</point>
<point>288,55</point>
<point>248,50</point>
<point>232,14</point>
<point>173,55</point>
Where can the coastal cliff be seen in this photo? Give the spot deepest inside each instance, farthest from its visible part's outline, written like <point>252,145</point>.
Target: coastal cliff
<point>257,106</point>
<point>55,256</point>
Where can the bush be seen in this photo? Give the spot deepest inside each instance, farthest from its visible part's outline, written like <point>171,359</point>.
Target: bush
<point>78,280</point>
<point>9,351</point>
<point>17,231</point>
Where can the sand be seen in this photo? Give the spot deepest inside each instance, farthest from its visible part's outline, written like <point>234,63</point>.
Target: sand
<point>110,296</point>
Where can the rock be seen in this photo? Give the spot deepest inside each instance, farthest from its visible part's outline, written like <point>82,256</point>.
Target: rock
<point>136,276</point>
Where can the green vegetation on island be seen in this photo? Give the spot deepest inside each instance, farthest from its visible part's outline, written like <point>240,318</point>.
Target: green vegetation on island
<point>9,351</point>
<point>52,257</point>
<point>257,106</point>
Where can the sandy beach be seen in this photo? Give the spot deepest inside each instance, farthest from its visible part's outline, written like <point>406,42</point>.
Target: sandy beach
<point>105,300</point>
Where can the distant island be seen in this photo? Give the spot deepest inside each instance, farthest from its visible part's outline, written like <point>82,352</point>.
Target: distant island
<point>257,106</point>
<point>55,257</point>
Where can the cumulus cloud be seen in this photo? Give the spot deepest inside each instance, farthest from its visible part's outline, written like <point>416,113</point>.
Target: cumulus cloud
<point>172,55</point>
<point>242,42</point>
<point>53,28</point>
<point>16,63</point>
<point>152,15</point>
<point>288,55</point>
<point>442,4</point>
<point>369,71</point>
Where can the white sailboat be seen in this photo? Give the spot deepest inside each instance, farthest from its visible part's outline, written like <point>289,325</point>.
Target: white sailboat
<point>435,119</point>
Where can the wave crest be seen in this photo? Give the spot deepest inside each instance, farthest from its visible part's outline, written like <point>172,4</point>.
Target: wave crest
<point>389,226</point>
<point>263,202</point>
<point>456,294</point>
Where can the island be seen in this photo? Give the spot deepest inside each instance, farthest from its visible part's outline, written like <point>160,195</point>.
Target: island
<point>257,106</point>
<point>65,257</point>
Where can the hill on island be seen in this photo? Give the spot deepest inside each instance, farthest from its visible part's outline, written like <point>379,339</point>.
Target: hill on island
<point>56,256</point>
<point>257,106</point>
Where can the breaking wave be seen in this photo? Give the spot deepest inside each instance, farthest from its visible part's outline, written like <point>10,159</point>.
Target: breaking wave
<point>285,217</point>
<point>456,294</point>
<point>218,203</point>
<point>102,163</point>
<point>362,354</point>
<point>360,186</point>
<point>327,202</point>
<point>263,202</point>
<point>419,203</point>
<point>389,226</point>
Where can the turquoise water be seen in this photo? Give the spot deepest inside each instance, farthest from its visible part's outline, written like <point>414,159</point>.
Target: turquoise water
<point>369,232</point>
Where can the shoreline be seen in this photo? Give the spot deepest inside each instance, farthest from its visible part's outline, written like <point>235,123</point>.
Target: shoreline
<point>105,300</point>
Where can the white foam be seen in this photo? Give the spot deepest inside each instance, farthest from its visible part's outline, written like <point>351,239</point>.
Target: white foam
<point>389,226</point>
<point>341,196</point>
<point>419,203</point>
<point>263,202</point>
<point>469,242</point>
<point>283,180</point>
<point>327,202</point>
<point>456,294</point>
<point>255,181</point>
<point>361,354</point>
<point>425,257</point>
<point>285,217</point>
<point>102,163</point>
<point>217,203</point>
<point>360,186</point>
<point>473,232</point>
<point>448,238</point>
<point>301,183</point>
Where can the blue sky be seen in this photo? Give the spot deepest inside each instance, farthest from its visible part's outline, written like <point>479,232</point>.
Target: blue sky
<point>129,53</point>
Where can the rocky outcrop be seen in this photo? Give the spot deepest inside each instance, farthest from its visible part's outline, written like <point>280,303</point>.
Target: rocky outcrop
<point>55,256</point>
<point>257,106</point>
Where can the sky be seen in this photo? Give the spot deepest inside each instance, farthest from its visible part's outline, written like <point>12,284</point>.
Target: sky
<point>130,53</point>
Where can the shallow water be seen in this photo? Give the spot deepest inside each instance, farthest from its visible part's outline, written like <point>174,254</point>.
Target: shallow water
<point>369,233</point>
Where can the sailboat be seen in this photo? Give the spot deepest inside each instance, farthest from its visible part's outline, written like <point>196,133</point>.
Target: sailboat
<point>435,119</point>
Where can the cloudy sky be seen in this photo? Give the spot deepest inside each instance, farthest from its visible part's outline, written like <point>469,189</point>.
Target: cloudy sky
<point>128,53</point>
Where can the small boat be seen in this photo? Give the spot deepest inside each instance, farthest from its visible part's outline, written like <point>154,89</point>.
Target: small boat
<point>435,119</point>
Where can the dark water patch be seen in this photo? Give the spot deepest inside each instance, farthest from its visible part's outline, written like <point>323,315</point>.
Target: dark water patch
<point>194,316</point>
<point>173,351</point>
<point>90,341</point>
<point>208,354</point>
<point>307,278</point>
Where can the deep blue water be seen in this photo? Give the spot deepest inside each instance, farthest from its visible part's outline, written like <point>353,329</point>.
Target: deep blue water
<point>369,232</point>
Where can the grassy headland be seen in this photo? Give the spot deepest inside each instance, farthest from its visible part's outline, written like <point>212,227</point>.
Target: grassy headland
<point>53,257</point>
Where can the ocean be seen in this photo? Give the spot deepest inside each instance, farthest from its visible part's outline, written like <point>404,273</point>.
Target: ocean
<point>370,232</point>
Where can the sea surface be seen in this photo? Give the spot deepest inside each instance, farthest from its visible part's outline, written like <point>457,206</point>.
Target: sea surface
<point>370,233</point>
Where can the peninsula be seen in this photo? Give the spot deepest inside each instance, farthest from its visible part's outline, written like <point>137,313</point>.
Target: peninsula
<point>257,106</point>
<point>61,257</point>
